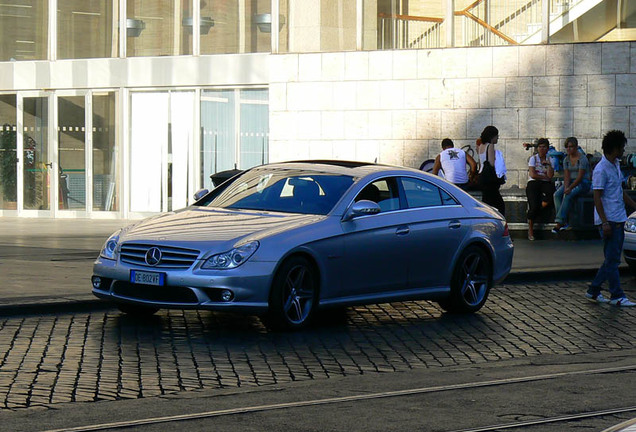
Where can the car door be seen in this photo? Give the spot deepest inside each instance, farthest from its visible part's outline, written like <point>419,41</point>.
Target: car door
<point>374,257</point>
<point>437,225</point>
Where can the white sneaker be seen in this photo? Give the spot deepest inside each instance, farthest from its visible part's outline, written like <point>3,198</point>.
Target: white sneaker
<point>598,299</point>
<point>622,302</point>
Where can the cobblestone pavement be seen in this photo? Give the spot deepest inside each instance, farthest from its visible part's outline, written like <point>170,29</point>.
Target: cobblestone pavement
<point>94,356</point>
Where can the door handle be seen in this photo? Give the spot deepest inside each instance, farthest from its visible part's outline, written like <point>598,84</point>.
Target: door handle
<point>402,231</point>
<point>454,224</point>
<point>50,165</point>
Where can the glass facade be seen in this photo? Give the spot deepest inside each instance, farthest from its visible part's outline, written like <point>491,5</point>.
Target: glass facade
<point>8,152</point>
<point>90,28</point>
<point>158,27</point>
<point>36,165</point>
<point>235,130</point>
<point>87,28</point>
<point>235,27</point>
<point>24,25</point>
<point>105,153</point>
<point>71,151</point>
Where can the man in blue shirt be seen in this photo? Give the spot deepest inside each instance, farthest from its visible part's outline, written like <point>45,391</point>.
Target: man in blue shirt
<point>610,217</point>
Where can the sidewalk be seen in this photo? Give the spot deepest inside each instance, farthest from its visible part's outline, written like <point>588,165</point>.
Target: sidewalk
<point>46,264</point>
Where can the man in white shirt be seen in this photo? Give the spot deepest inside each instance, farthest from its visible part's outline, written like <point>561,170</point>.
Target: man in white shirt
<point>452,162</point>
<point>610,217</point>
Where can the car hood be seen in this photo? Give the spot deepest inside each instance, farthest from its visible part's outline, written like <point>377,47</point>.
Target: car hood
<point>193,225</point>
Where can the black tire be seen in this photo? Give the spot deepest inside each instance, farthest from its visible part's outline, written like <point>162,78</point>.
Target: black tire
<point>632,268</point>
<point>294,295</point>
<point>470,282</point>
<point>136,310</point>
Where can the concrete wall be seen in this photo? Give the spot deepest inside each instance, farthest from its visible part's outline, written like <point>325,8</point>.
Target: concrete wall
<point>395,106</point>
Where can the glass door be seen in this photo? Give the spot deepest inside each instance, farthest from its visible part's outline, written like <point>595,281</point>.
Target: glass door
<point>161,147</point>
<point>71,154</point>
<point>35,182</point>
<point>8,153</point>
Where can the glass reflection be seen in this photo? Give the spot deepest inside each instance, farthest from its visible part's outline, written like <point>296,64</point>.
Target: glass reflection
<point>24,25</point>
<point>158,27</point>
<point>35,158</point>
<point>8,153</point>
<point>235,27</point>
<point>105,153</point>
<point>87,28</point>
<point>71,138</point>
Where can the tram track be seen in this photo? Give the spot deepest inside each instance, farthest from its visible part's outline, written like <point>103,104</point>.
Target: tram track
<point>382,395</point>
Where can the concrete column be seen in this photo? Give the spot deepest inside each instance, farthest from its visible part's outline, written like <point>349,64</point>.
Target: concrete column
<point>450,23</point>
<point>545,18</point>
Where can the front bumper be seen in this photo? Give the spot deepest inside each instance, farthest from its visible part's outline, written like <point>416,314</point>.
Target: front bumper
<point>188,289</point>
<point>629,248</point>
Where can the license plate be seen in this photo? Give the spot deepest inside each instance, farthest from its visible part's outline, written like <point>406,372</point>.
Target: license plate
<point>147,278</point>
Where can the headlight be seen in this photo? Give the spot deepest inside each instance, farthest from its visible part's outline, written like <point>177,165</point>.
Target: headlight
<point>630,225</point>
<point>109,250</point>
<point>232,258</point>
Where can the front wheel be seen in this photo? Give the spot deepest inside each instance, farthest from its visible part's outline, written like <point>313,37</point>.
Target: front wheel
<point>294,295</point>
<point>470,282</point>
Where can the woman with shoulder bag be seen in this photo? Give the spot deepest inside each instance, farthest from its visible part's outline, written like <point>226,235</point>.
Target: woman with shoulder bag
<point>539,189</point>
<point>488,181</point>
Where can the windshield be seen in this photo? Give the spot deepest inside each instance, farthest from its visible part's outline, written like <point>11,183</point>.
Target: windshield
<point>283,190</point>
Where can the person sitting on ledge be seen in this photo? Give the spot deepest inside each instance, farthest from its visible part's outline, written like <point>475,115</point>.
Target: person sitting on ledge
<point>539,189</point>
<point>576,181</point>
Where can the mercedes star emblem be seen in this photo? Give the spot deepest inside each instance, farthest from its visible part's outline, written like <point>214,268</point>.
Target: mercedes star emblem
<point>153,256</point>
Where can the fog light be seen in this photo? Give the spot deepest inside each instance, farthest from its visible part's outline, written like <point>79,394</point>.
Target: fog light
<point>97,282</point>
<point>226,295</point>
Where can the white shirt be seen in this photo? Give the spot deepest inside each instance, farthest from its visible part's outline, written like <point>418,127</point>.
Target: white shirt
<point>453,161</point>
<point>540,167</point>
<point>500,164</point>
<point>608,178</point>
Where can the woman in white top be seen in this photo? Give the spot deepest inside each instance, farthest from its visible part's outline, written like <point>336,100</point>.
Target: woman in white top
<point>539,189</point>
<point>486,153</point>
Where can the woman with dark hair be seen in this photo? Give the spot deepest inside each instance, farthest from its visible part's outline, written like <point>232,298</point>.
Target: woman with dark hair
<point>539,189</point>
<point>577,179</point>
<point>486,155</point>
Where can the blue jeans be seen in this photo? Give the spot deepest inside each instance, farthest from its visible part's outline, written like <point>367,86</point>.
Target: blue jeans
<point>563,203</point>
<point>612,249</point>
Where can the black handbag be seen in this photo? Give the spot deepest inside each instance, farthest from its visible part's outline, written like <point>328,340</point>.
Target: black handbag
<point>488,176</point>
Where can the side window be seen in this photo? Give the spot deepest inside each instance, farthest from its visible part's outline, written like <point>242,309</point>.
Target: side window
<point>420,193</point>
<point>447,199</point>
<point>384,192</point>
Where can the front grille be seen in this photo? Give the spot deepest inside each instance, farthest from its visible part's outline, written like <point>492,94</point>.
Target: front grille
<point>171,257</point>
<point>164,294</point>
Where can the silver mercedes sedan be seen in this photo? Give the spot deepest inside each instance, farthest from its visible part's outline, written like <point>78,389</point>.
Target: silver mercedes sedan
<point>286,239</point>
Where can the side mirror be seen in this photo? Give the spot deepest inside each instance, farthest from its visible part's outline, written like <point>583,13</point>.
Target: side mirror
<point>200,194</point>
<point>361,208</point>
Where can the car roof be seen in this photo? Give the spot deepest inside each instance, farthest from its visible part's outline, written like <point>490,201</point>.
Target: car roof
<point>351,168</point>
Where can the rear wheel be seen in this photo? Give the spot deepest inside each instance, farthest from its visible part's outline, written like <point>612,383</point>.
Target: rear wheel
<point>136,310</point>
<point>632,267</point>
<point>470,282</point>
<point>294,295</point>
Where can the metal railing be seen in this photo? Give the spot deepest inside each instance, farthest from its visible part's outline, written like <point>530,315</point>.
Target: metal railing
<point>409,32</point>
<point>482,23</point>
